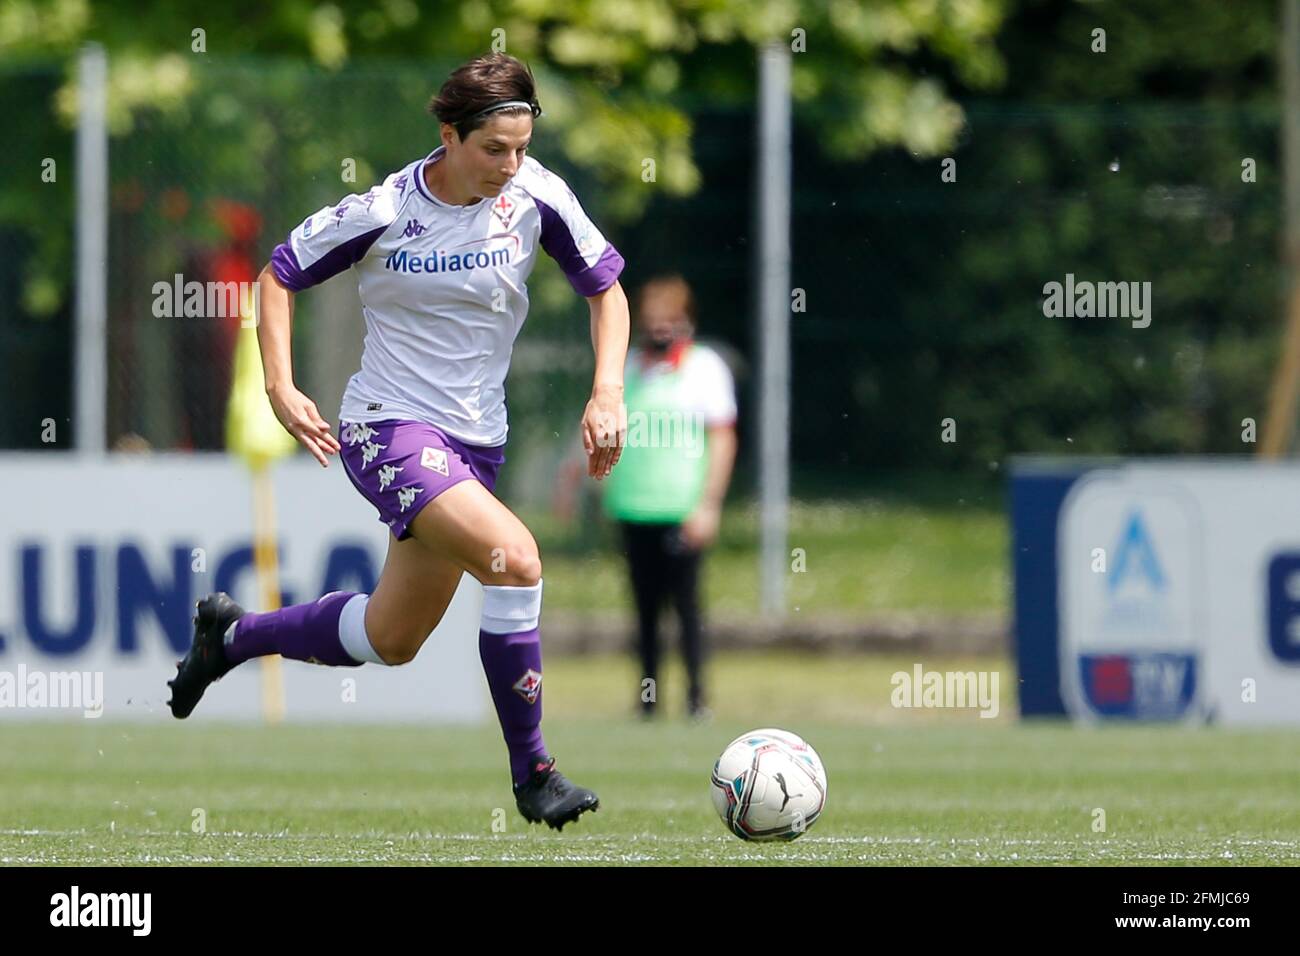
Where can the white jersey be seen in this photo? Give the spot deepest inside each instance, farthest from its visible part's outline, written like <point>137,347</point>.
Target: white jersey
<point>443,289</point>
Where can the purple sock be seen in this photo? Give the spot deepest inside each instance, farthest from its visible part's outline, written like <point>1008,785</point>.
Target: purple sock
<point>513,664</point>
<point>303,632</point>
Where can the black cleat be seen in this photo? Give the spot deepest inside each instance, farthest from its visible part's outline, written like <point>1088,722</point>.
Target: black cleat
<point>206,660</point>
<point>549,796</point>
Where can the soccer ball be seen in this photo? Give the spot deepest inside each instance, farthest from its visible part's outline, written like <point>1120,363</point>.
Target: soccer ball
<point>769,785</point>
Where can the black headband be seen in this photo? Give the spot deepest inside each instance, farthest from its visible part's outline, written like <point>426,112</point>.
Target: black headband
<point>531,107</point>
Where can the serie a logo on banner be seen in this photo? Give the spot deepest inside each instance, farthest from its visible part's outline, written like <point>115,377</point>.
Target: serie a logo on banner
<point>1130,586</point>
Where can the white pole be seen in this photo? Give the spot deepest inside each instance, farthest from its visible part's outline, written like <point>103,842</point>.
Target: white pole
<point>91,380</point>
<point>774,319</point>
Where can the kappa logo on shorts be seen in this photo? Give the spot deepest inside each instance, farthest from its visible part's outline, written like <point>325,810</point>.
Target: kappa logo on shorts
<point>529,686</point>
<point>386,475</point>
<point>435,459</point>
<point>354,433</point>
<point>406,496</point>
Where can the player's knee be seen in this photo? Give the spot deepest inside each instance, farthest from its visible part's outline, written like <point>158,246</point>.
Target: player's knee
<point>520,566</point>
<point>393,654</point>
<point>528,570</point>
<point>401,654</point>
<point>398,646</point>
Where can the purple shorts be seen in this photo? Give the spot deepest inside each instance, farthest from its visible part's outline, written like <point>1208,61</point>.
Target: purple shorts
<point>400,466</point>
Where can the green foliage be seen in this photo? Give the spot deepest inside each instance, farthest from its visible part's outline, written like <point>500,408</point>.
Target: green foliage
<point>611,73</point>
<point>924,297</point>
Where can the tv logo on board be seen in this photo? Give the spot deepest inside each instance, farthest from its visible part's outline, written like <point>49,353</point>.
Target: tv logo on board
<point>1129,623</point>
<point>1138,684</point>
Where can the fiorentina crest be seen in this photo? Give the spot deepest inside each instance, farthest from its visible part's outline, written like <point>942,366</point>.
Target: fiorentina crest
<point>504,209</point>
<point>435,459</point>
<point>529,686</point>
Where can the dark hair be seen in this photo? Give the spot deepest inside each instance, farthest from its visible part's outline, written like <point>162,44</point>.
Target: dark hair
<point>476,85</point>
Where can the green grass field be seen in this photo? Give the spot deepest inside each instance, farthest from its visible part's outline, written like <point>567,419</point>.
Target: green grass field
<point>862,555</point>
<point>906,787</point>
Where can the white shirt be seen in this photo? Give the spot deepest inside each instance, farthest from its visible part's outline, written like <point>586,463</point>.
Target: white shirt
<point>443,289</point>
<point>704,386</point>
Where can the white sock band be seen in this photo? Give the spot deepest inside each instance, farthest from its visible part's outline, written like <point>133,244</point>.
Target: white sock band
<point>352,631</point>
<point>509,610</point>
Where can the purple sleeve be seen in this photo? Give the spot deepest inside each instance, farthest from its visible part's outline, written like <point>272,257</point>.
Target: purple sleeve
<point>284,261</point>
<point>285,266</point>
<point>559,244</point>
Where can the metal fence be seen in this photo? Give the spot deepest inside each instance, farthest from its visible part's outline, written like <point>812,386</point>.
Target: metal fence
<point>920,295</point>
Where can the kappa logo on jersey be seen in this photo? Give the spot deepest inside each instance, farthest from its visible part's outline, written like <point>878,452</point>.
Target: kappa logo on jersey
<point>413,228</point>
<point>504,209</point>
<point>435,459</point>
<point>529,686</point>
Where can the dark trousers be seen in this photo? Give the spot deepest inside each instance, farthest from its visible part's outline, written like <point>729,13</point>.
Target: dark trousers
<point>662,567</point>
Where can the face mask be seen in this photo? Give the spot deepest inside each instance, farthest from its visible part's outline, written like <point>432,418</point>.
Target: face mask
<point>660,343</point>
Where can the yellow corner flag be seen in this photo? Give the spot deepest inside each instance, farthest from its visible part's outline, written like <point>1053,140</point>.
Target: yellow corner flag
<point>256,435</point>
<point>252,430</point>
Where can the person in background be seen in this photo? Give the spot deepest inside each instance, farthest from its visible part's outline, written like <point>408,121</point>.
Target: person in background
<point>205,344</point>
<point>677,464</point>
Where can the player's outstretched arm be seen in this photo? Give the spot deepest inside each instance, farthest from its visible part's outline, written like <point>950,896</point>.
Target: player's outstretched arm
<point>604,422</point>
<point>296,412</point>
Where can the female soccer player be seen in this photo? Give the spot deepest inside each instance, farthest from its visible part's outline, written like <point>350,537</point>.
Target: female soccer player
<point>442,249</point>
